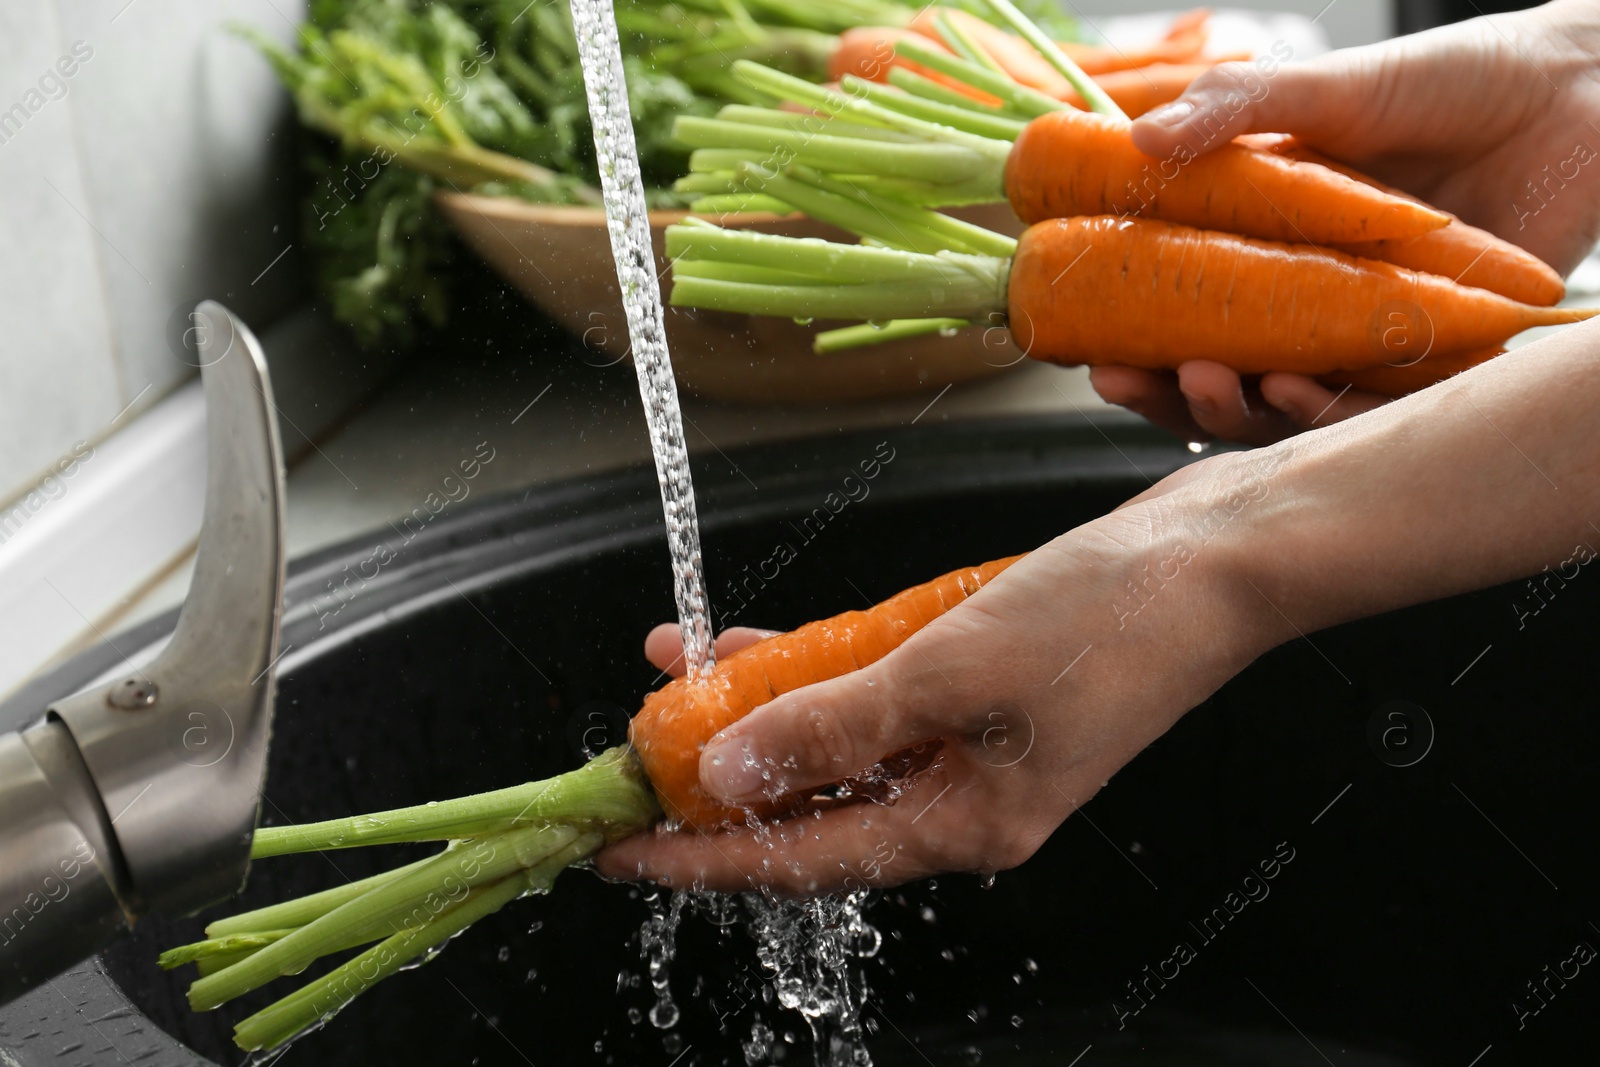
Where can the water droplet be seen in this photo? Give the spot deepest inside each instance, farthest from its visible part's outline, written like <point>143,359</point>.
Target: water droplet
<point>504,954</point>
<point>986,881</point>
<point>1030,966</point>
<point>878,324</point>
<point>1016,1022</point>
<point>948,331</point>
<point>803,320</point>
<point>972,1056</point>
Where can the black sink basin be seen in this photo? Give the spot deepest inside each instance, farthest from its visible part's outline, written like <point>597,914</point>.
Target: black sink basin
<point>1428,858</point>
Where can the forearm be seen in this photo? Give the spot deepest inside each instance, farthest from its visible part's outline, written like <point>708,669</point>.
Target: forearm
<point>1487,478</point>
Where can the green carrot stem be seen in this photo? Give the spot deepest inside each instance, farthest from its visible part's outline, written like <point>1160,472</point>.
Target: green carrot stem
<point>963,45</point>
<point>723,160</point>
<point>946,163</point>
<point>221,961</point>
<point>219,946</point>
<point>740,203</point>
<point>1087,87</point>
<point>1030,102</point>
<point>869,334</point>
<point>863,218</point>
<point>928,89</point>
<point>887,219</point>
<point>993,126</point>
<point>318,1000</point>
<point>841,264</point>
<point>302,910</point>
<point>414,897</point>
<point>923,194</point>
<point>974,288</point>
<point>742,272</point>
<point>834,103</point>
<point>609,792</point>
<point>814,124</point>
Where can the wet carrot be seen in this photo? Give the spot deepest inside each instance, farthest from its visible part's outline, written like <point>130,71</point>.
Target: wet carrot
<point>1459,251</point>
<point>677,720</point>
<point>1152,294</point>
<point>1397,381</point>
<point>1077,163</point>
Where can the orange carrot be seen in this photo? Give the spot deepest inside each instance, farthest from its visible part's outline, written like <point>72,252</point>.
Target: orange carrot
<point>1145,88</point>
<point>1184,41</point>
<point>1151,294</point>
<point>677,720</point>
<point>868,52</point>
<point>1396,381</point>
<point>1078,163</point>
<point>1014,55</point>
<point>1024,64</point>
<point>1459,251</point>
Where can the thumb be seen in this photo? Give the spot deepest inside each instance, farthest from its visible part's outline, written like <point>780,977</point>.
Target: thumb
<point>1314,100</point>
<point>822,733</point>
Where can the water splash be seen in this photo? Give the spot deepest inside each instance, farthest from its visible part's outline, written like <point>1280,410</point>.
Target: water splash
<point>628,222</point>
<point>805,948</point>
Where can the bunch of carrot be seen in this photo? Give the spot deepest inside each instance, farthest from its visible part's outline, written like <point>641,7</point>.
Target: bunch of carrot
<point>510,843</point>
<point>1138,79</point>
<point>1261,254</point>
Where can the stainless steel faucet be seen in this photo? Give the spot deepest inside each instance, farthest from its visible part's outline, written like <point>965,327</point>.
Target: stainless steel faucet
<point>141,795</point>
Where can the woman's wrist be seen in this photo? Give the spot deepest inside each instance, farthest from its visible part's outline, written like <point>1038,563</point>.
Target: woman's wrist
<point>1481,480</point>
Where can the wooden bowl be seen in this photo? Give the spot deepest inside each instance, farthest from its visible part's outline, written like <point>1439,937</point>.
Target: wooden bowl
<point>560,258</point>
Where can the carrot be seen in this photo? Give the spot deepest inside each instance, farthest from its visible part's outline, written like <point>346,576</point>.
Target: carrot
<point>1077,163</point>
<point>868,52</point>
<point>1151,294</point>
<point>1063,162</point>
<point>1019,59</point>
<point>1185,39</point>
<point>1397,381</point>
<point>1025,65</point>
<point>1459,251</point>
<point>677,720</point>
<point>505,844</point>
<point>1145,88</point>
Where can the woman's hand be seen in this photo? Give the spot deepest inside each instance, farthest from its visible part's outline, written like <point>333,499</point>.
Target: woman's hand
<point>1202,400</point>
<point>1064,667</point>
<point>1491,119</point>
<point>1040,687</point>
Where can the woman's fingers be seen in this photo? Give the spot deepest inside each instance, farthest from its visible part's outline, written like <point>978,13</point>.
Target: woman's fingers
<point>1222,406</point>
<point>1152,394</point>
<point>1309,403</point>
<point>954,817</point>
<point>825,732</point>
<point>663,646</point>
<point>1203,400</point>
<point>1317,100</point>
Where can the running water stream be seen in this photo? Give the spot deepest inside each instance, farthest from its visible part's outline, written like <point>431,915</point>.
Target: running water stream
<point>806,949</point>
<point>628,221</point>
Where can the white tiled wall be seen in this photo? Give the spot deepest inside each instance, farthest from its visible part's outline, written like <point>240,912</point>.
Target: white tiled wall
<point>156,174</point>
